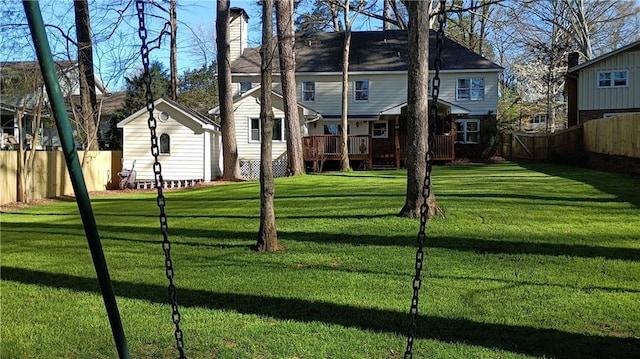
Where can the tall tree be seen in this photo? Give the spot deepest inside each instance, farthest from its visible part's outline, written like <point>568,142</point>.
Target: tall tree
<point>230,162</point>
<point>173,55</point>
<point>344,134</point>
<point>267,234</point>
<point>198,88</point>
<point>23,90</point>
<point>86,77</point>
<point>417,109</point>
<point>286,39</point>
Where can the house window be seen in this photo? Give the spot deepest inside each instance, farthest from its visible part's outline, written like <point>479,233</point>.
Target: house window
<point>539,118</point>
<point>245,86</point>
<point>308,91</point>
<point>165,144</point>
<point>254,130</point>
<point>613,79</point>
<point>361,90</point>
<point>471,88</point>
<point>467,131</point>
<point>380,130</point>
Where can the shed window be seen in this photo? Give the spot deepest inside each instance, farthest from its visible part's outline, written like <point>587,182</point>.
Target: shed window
<point>165,144</point>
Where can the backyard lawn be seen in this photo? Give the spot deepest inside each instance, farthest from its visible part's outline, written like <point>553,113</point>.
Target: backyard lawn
<point>531,261</point>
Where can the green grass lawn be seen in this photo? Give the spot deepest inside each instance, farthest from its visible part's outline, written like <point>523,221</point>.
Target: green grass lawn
<point>532,261</point>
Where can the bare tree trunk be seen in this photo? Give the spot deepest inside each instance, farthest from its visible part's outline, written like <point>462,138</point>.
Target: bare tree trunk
<point>386,13</point>
<point>173,54</point>
<point>267,234</point>
<point>230,164</point>
<point>29,158</point>
<point>86,76</point>
<point>417,109</point>
<point>344,147</point>
<point>334,16</point>
<point>20,170</point>
<point>286,39</point>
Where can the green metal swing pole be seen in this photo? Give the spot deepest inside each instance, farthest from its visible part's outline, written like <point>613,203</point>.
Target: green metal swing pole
<point>36,25</point>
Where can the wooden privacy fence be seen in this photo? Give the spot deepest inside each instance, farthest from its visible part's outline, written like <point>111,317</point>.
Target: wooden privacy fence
<point>618,135</point>
<point>50,177</point>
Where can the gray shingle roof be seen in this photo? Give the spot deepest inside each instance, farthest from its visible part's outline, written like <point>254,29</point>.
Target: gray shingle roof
<point>370,51</point>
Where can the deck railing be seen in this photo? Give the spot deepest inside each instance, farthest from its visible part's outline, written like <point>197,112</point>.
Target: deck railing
<point>328,146</point>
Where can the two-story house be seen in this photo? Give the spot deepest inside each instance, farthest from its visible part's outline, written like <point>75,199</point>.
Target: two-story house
<point>377,97</point>
<point>605,86</point>
<point>21,87</point>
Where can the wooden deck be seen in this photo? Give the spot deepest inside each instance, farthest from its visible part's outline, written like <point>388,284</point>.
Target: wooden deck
<point>321,148</point>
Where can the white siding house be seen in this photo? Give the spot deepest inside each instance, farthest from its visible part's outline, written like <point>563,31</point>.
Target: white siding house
<point>377,83</point>
<point>189,143</point>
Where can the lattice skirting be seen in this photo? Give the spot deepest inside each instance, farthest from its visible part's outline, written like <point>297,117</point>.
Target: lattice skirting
<point>147,184</point>
<point>250,169</point>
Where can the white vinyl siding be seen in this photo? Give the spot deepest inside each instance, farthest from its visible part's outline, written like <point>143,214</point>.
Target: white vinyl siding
<point>246,109</point>
<point>186,157</point>
<point>593,96</point>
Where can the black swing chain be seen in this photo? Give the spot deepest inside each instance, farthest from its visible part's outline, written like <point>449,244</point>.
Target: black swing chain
<point>157,169</point>
<point>426,189</point>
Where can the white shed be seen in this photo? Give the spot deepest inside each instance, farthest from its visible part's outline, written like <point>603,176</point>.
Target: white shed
<point>190,144</point>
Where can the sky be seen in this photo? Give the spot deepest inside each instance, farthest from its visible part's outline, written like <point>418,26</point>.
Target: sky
<point>196,19</point>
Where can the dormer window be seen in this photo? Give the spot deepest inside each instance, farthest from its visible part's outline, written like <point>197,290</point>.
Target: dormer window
<point>245,86</point>
<point>308,91</point>
<point>361,90</point>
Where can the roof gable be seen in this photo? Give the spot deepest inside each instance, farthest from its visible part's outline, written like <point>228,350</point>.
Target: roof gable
<point>370,51</point>
<point>200,120</point>
<point>255,92</point>
<point>634,46</point>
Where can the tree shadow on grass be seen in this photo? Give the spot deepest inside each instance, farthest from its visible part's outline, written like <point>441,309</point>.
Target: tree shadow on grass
<point>513,338</point>
<point>512,246</point>
<point>622,186</point>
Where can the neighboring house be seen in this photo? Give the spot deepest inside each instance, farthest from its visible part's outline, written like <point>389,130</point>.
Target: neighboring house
<point>605,86</point>
<point>190,148</point>
<point>18,96</point>
<point>377,96</point>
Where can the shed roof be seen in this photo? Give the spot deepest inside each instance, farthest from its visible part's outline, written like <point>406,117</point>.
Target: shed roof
<point>202,120</point>
<point>371,51</point>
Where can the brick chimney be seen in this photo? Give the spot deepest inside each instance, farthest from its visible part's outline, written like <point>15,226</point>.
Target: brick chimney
<point>571,89</point>
<point>238,31</point>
